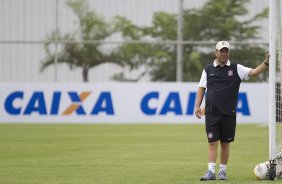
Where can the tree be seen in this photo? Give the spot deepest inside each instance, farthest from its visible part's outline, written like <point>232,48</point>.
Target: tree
<point>216,20</point>
<point>83,55</point>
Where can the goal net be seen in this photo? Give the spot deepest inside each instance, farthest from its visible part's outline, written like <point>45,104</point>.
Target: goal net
<point>275,89</point>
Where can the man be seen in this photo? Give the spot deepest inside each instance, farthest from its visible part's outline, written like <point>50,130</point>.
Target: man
<point>222,80</point>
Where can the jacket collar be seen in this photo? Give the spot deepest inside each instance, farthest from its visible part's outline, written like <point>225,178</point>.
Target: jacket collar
<point>215,64</point>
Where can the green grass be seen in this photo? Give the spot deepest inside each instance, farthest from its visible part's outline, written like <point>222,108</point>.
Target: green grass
<point>122,154</point>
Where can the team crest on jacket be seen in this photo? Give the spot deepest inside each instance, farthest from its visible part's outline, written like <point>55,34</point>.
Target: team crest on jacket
<point>230,73</point>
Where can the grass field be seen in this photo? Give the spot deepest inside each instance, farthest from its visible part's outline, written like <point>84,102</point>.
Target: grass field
<point>122,154</point>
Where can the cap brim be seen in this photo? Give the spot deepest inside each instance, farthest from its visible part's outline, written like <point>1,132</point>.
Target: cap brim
<point>222,48</point>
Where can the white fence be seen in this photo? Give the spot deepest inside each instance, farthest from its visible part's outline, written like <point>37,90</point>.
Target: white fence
<point>25,24</point>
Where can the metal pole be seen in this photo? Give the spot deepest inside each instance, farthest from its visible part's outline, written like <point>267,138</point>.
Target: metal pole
<point>272,79</point>
<point>179,62</point>
<point>56,41</point>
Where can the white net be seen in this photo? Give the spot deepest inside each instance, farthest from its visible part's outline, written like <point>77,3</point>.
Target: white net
<point>278,90</point>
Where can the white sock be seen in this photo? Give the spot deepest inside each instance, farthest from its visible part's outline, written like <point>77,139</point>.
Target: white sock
<point>222,167</point>
<point>211,166</point>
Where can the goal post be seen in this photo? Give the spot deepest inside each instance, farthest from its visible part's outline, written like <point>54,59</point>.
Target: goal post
<point>275,98</point>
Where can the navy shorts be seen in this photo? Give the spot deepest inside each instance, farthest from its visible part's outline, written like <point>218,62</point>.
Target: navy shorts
<point>220,127</point>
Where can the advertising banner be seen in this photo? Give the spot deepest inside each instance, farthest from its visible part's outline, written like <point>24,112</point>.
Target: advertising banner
<point>118,103</point>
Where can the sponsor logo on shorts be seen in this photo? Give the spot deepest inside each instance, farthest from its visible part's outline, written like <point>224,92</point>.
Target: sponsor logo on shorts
<point>210,135</point>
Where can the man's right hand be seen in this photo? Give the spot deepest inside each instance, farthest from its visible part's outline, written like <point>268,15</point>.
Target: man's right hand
<point>199,112</point>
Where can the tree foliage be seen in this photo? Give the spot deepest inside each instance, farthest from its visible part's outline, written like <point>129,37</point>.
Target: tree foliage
<point>83,55</point>
<point>216,20</point>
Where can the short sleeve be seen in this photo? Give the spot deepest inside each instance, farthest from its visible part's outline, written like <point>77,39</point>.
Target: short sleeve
<point>203,81</point>
<point>243,72</point>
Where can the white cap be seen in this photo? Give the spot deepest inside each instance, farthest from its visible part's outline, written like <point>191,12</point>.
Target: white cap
<point>222,44</point>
